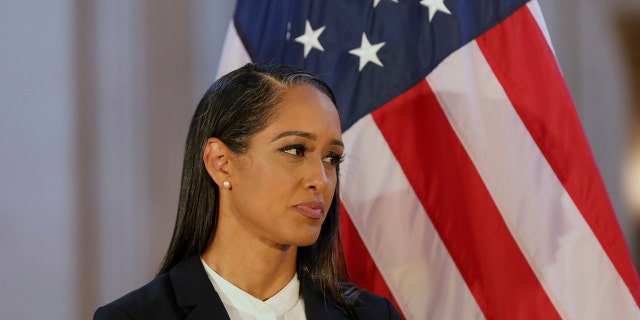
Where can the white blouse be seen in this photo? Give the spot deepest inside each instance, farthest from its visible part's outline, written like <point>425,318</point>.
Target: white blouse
<point>284,305</point>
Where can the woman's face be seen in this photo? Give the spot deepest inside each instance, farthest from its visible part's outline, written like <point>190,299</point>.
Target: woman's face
<point>282,187</point>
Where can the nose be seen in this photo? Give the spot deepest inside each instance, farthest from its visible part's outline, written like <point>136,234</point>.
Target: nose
<point>316,177</point>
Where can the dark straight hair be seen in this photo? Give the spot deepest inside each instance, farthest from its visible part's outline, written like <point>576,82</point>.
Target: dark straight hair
<point>235,108</point>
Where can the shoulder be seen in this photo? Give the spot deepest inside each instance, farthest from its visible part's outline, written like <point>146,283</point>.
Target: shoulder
<point>371,306</point>
<point>185,289</point>
<point>365,305</point>
<point>154,300</point>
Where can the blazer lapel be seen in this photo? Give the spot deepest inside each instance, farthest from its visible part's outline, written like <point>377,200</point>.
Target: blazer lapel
<point>194,291</point>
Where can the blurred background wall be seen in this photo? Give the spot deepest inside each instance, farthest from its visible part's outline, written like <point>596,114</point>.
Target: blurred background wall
<point>95,101</point>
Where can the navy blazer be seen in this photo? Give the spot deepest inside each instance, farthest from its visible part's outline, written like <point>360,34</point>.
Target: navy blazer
<point>185,292</point>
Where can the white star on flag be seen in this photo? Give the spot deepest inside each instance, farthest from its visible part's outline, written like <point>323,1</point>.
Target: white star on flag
<point>367,52</point>
<point>310,38</point>
<point>434,6</point>
<point>375,2</point>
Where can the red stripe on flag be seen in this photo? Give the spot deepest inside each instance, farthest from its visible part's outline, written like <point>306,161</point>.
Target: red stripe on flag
<point>544,104</point>
<point>460,207</point>
<point>362,269</point>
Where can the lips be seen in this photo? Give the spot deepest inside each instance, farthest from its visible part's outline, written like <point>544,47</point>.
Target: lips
<point>311,209</point>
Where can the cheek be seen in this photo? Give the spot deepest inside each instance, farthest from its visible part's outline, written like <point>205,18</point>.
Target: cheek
<point>331,189</point>
<point>272,180</point>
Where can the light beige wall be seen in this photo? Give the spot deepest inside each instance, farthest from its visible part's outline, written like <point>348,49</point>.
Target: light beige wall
<point>95,100</point>
<point>37,174</point>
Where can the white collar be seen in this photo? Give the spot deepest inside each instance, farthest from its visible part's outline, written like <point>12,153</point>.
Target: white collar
<point>232,296</point>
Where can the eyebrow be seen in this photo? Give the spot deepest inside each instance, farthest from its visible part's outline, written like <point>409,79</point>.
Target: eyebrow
<point>307,135</point>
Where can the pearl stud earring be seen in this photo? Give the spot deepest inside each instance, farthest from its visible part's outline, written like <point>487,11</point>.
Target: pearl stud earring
<point>226,184</point>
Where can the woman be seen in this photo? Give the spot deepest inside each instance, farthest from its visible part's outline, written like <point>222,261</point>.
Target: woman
<point>257,232</point>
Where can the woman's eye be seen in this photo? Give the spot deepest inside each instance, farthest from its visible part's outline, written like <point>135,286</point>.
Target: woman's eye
<point>333,158</point>
<point>296,150</point>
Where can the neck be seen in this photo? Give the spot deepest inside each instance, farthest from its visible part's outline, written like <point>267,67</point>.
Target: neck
<point>258,267</point>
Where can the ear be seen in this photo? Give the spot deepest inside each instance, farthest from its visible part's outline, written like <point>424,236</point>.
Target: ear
<point>216,160</point>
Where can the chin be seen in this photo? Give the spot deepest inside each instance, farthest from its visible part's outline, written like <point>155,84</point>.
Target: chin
<point>306,239</point>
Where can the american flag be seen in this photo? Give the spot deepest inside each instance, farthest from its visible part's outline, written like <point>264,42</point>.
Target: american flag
<point>469,190</point>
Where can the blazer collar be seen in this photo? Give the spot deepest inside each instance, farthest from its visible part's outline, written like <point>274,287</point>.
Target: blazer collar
<point>194,290</point>
<point>196,294</point>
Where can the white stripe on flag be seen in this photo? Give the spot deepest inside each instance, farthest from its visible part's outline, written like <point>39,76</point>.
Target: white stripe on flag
<point>397,231</point>
<point>564,253</point>
<point>234,54</point>
<point>534,8</point>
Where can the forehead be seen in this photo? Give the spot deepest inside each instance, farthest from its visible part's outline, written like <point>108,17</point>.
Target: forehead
<point>306,108</point>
